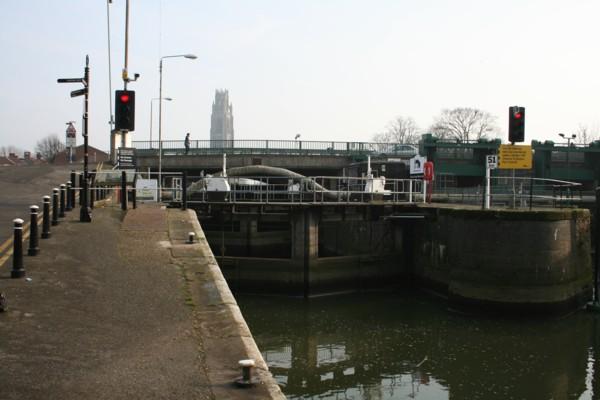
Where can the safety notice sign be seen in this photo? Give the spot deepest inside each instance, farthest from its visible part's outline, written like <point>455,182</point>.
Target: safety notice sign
<point>514,157</point>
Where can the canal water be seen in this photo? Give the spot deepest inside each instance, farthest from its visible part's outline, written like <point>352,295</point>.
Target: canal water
<point>410,346</point>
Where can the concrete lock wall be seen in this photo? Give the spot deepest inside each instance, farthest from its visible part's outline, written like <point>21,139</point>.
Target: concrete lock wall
<point>322,256</point>
<point>527,260</point>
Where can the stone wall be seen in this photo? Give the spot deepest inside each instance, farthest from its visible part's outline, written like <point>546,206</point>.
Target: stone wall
<point>503,259</point>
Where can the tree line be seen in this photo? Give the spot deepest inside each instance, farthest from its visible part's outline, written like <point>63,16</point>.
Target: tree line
<point>462,124</point>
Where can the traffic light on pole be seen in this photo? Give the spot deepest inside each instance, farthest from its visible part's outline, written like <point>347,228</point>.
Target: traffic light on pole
<point>125,110</point>
<point>516,124</point>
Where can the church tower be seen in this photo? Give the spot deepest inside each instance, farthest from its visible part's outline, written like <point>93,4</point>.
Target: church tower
<point>221,120</point>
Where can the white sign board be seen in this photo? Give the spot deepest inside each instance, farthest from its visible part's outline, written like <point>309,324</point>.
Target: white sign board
<point>71,140</point>
<point>491,161</point>
<point>147,189</point>
<point>416,165</point>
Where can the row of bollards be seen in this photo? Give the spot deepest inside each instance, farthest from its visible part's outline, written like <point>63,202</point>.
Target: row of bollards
<point>63,200</point>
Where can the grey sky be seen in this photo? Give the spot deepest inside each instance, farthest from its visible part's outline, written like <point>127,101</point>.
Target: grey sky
<point>330,70</point>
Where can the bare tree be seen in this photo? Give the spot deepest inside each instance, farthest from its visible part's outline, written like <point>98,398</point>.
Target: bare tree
<point>464,123</point>
<point>400,130</point>
<point>49,147</point>
<point>586,134</point>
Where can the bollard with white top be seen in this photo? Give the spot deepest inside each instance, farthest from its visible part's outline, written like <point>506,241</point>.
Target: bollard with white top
<point>68,205</point>
<point>34,249</point>
<point>191,237</point>
<point>246,380</point>
<point>46,218</point>
<point>63,192</point>
<point>17,269</point>
<point>55,206</point>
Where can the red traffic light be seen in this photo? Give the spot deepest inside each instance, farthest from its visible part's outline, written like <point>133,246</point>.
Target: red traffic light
<point>124,98</point>
<point>518,115</point>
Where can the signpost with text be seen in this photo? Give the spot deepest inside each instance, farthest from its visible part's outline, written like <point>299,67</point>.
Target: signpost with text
<point>514,157</point>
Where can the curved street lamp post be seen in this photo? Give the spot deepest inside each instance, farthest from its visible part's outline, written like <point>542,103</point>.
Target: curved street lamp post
<point>160,98</point>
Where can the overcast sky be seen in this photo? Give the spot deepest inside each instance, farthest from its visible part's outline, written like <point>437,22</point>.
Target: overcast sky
<point>334,70</point>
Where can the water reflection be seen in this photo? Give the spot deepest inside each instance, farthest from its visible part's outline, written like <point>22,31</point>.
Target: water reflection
<point>396,346</point>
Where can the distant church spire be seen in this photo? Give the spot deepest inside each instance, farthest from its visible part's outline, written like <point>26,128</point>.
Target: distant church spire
<point>221,120</point>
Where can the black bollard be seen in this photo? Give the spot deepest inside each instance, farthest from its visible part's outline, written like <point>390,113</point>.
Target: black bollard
<point>17,270</point>
<point>68,205</point>
<point>134,197</point>
<point>123,190</point>
<point>184,191</point>
<point>63,192</point>
<point>80,189</point>
<point>34,248</point>
<point>73,182</point>
<point>92,197</point>
<point>46,218</point>
<point>54,206</point>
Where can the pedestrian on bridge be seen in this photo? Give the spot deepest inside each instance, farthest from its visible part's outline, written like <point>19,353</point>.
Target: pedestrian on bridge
<point>187,143</point>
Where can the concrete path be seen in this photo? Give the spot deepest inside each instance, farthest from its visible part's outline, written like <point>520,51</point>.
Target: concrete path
<point>122,308</point>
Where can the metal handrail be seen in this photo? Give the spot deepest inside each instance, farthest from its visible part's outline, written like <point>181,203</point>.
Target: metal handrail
<point>277,146</point>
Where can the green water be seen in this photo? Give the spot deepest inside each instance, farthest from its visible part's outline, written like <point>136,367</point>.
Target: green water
<point>410,346</point>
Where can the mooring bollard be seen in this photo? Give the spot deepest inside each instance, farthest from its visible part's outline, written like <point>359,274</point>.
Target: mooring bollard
<point>17,270</point>
<point>68,205</point>
<point>246,380</point>
<point>73,182</point>
<point>54,206</point>
<point>123,190</point>
<point>191,236</point>
<point>34,248</point>
<point>46,218</point>
<point>63,192</point>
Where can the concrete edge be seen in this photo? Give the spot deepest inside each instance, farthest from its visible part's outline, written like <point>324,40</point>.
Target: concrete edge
<point>228,301</point>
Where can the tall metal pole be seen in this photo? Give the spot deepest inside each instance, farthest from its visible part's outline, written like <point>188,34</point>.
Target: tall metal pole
<point>84,214</point>
<point>160,131</point>
<point>125,73</point>
<point>150,123</point>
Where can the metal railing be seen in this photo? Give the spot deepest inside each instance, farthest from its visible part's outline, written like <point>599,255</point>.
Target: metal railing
<point>202,147</point>
<point>319,189</point>
<point>517,192</point>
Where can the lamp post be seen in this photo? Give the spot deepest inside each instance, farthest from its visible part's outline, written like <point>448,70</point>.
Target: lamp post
<point>160,68</point>
<point>573,136</point>
<point>156,98</point>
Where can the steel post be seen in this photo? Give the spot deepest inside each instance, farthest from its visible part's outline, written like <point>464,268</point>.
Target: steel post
<point>17,269</point>
<point>68,205</point>
<point>46,218</point>
<point>63,192</point>
<point>73,182</point>
<point>184,191</point>
<point>34,248</point>
<point>123,190</point>
<point>55,206</point>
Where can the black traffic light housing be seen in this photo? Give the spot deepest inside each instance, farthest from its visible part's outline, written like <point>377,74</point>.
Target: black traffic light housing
<point>125,110</point>
<point>516,124</point>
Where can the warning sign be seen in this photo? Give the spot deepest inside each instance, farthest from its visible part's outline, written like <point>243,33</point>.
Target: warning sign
<point>514,157</point>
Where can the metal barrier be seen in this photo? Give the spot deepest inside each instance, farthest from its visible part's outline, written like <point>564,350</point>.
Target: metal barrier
<point>303,190</point>
<point>202,147</point>
<point>517,192</point>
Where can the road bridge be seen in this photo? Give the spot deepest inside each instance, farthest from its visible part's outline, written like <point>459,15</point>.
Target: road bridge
<point>306,157</point>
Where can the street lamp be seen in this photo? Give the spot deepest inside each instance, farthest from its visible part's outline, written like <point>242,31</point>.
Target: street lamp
<point>156,98</point>
<point>160,67</point>
<point>573,136</point>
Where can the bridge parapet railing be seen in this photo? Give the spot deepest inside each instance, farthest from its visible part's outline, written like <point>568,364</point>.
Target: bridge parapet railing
<point>203,147</point>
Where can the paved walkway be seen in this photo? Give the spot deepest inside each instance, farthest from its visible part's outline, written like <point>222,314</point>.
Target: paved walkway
<point>122,308</point>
